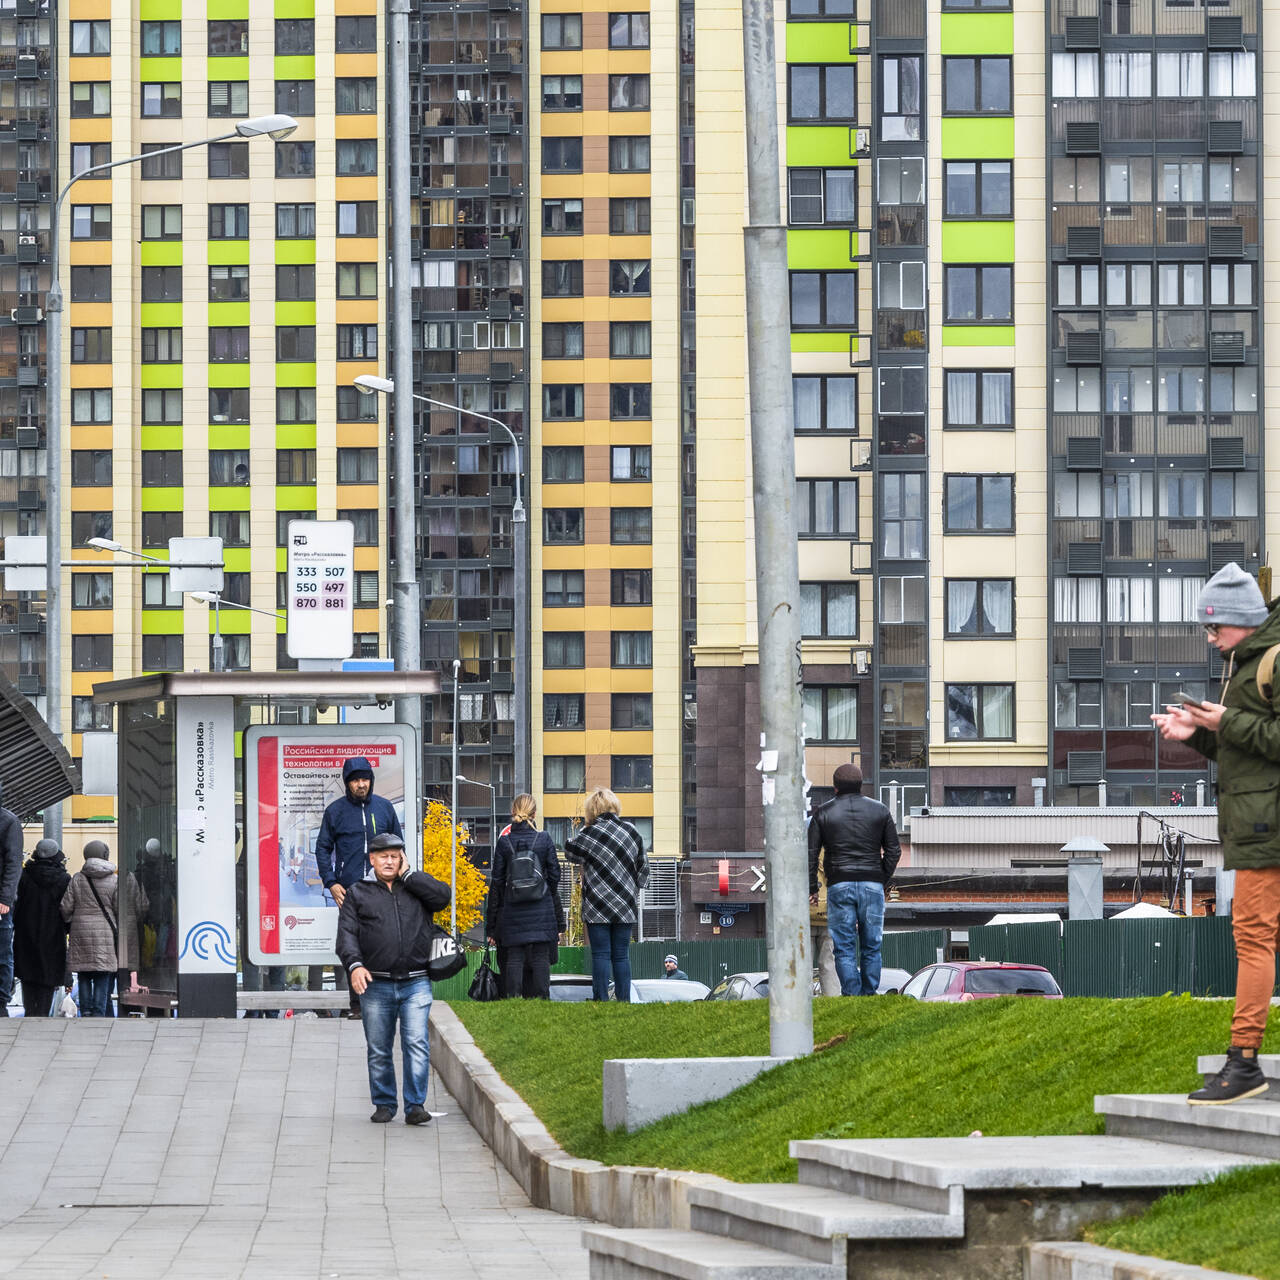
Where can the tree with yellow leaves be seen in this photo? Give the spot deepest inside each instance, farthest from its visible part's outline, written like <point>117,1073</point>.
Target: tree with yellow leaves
<point>437,855</point>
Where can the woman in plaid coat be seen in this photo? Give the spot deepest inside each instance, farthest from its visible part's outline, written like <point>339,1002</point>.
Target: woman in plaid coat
<point>614,870</point>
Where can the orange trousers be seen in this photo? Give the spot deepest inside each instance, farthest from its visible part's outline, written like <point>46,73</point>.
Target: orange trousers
<point>1255,921</point>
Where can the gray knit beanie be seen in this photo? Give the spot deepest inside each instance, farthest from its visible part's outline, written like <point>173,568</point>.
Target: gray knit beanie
<point>46,849</point>
<point>1231,599</point>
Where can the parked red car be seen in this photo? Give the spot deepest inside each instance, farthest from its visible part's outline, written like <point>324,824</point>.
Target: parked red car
<point>959,980</point>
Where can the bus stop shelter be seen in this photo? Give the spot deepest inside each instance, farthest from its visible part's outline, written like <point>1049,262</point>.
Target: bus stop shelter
<point>181,786</point>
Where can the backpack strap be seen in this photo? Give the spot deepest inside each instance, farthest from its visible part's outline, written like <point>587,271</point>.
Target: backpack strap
<point>1266,671</point>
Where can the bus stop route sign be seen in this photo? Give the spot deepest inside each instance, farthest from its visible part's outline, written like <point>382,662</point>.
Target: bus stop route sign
<point>320,603</point>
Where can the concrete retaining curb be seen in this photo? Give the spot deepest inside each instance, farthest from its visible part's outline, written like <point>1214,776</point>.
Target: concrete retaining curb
<point>1070,1261</point>
<point>621,1195</point>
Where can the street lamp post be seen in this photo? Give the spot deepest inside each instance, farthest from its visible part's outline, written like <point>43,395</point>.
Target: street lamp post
<point>370,384</point>
<point>212,597</point>
<point>274,126</point>
<point>453,812</point>
<point>493,812</point>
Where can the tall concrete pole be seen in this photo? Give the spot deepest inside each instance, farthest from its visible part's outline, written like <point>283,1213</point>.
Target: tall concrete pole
<point>777,570</point>
<point>53,510</point>
<point>406,640</point>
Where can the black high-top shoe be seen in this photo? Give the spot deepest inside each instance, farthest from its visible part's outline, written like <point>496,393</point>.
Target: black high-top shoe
<point>1241,1078</point>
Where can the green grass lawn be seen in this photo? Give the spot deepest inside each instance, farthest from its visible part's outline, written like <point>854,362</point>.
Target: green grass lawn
<point>1232,1224</point>
<point>905,1070</point>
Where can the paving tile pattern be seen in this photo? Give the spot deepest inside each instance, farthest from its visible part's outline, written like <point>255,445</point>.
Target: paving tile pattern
<point>213,1150</point>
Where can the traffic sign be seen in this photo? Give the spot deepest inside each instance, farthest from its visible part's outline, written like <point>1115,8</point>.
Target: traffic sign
<point>320,602</point>
<point>200,552</point>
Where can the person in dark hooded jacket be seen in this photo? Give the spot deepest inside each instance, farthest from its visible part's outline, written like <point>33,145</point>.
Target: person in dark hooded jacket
<point>10,870</point>
<point>39,931</point>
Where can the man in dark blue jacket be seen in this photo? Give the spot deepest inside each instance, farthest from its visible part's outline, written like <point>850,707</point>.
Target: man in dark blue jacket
<point>347,829</point>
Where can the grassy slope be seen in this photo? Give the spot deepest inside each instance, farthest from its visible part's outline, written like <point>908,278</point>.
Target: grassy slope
<point>1232,1225</point>
<point>906,1070</point>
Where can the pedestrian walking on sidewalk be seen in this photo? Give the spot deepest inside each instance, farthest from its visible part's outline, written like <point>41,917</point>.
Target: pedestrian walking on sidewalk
<point>10,871</point>
<point>859,841</point>
<point>524,913</point>
<point>614,870</point>
<point>1241,732</point>
<point>89,907</point>
<point>39,931</point>
<point>384,942</point>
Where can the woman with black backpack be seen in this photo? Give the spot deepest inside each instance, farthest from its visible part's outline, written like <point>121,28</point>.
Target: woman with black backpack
<point>524,916</point>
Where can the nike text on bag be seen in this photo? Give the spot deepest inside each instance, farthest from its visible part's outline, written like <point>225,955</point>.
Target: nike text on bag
<point>446,956</point>
<point>525,881</point>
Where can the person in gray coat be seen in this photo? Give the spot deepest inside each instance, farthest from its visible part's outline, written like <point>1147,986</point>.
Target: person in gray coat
<point>89,907</point>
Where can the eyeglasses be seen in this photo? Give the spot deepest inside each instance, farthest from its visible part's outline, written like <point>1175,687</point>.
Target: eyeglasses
<point>1211,630</point>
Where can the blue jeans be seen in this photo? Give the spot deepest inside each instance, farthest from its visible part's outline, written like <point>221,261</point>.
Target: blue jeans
<point>6,961</point>
<point>384,1002</point>
<point>855,916</point>
<point>609,943</point>
<point>95,994</point>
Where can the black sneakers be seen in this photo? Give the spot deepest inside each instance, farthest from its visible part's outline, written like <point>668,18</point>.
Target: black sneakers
<point>1241,1078</point>
<point>381,1115</point>
<point>417,1115</point>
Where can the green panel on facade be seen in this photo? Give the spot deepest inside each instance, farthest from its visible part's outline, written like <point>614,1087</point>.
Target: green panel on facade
<point>296,435</point>
<point>821,144</point>
<point>289,252</point>
<point>977,335</point>
<point>160,499</point>
<point>224,435</point>
<point>165,10</point>
<point>295,313</point>
<point>296,66</point>
<point>225,9</point>
<point>229,497</point>
<point>295,8</point>
<point>229,375</point>
<point>160,315</point>
<point>229,253</point>
<point>295,497</point>
<point>159,437</point>
<point>822,342</point>
<point>971,139</point>
<point>160,253</point>
<point>218,313</point>
<point>159,70</point>
<point>977,242</point>
<point>834,248</point>
<point>237,559</point>
<point>282,560</point>
<point>821,42</point>
<point>162,622</point>
<point>232,622</point>
<point>161,375</point>
<point>976,33</point>
<point>228,68</point>
<point>295,374</point>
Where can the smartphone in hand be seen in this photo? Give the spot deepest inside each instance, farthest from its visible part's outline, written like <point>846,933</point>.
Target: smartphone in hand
<point>1187,700</point>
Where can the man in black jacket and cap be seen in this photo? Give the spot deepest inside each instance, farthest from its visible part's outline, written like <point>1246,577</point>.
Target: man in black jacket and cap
<point>860,842</point>
<point>10,870</point>
<point>384,942</point>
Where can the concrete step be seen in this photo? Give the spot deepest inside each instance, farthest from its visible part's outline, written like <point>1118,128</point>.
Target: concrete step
<point>814,1222</point>
<point>1246,1129</point>
<point>694,1255</point>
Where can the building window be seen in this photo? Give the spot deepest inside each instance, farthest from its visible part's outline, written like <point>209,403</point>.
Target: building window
<point>978,504</point>
<point>296,97</point>
<point>1232,75</point>
<point>1075,75</point>
<point>976,86</point>
<point>94,38</point>
<point>228,160</point>
<point>631,711</point>
<point>161,468</point>
<point>162,653</point>
<point>630,526</point>
<point>295,466</point>
<point>357,342</point>
<point>355,280</point>
<point>631,462</point>
<point>979,712</point>
<point>562,525</point>
<point>562,31</point>
<point>88,155</point>
<point>978,188</point>
<point>90,284</point>
<point>902,286</point>
<point>825,402</point>
<point>295,159</point>
<point>354,406</point>
<point>295,343</point>
<point>820,8</point>
<point>900,180</point>
<point>91,346</point>
<point>562,279</point>
<point>899,100</point>
<point>829,610</point>
<point>630,400</point>
<point>562,400</point>
<point>91,653</point>
<point>822,93</point>
<point>283,519</point>
<point>628,31</point>
<point>831,713</point>
<point>295,404</point>
<point>824,299</point>
<point>231,526</point>
<point>298,283</point>
<point>562,464</point>
<point>631,773</point>
<point>228,404</point>
<point>356,35</point>
<point>629,216</point>
<point>85,716</point>
<point>827,508</point>
<point>161,406</point>
<point>91,467</point>
<point>295,222</point>
<point>357,466</point>
<point>901,516</point>
<point>564,773</point>
<point>629,93</point>
<point>365,521</point>
<point>979,295</point>
<point>562,217</point>
<point>164,284</point>
<point>630,339</point>
<point>563,710</point>
<point>91,591</point>
<point>979,606</point>
<point>562,340</point>
<point>161,346</point>
<point>562,155</point>
<point>156,593</point>
<point>978,797</point>
<point>226,221</point>
<point>89,524</point>
<point>91,405</point>
<point>295,36</point>
<point>356,95</point>
<point>228,98</point>
<point>562,93</point>
<point>630,586</point>
<point>979,397</point>
<point>628,277</point>
<point>229,344</point>
<point>631,649</point>
<point>159,526</point>
<point>563,588</point>
<point>228,38</point>
<point>627,155</point>
<point>228,466</point>
<point>91,98</point>
<point>226,283</point>
<point>818,196</point>
<point>563,649</point>
<point>357,157</point>
<point>91,222</point>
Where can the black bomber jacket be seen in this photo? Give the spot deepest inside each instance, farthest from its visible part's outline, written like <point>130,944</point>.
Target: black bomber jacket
<point>387,928</point>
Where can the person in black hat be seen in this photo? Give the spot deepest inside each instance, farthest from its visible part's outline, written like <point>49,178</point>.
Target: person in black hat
<point>39,931</point>
<point>10,870</point>
<point>860,843</point>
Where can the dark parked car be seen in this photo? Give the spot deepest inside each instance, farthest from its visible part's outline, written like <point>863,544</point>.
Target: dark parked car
<point>981,980</point>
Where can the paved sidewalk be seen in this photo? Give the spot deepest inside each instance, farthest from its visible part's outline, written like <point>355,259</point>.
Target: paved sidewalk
<point>218,1149</point>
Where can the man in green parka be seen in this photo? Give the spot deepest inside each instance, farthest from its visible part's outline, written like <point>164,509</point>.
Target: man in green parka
<point>1242,733</point>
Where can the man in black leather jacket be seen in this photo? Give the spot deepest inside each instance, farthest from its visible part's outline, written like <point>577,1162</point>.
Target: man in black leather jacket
<point>862,851</point>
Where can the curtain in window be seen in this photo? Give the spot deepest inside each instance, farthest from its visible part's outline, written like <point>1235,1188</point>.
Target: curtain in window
<point>842,714</point>
<point>997,399</point>
<point>842,195</point>
<point>813,714</point>
<point>1077,599</point>
<point>1179,75</point>
<point>997,607</point>
<point>1178,598</point>
<point>810,609</point>
<point>1130,600</point>
<point>842,403</point>
<point>842,610</point>
<point>962,611</point>
<point>962,399</point>
<point>997,711</point>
